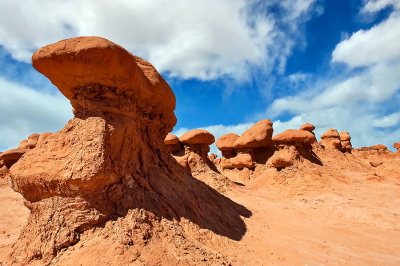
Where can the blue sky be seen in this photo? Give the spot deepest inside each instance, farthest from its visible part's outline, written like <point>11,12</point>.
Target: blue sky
<point>230,63</point>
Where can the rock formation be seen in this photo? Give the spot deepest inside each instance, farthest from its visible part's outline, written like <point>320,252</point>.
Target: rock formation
<point>345,142</point>
<point>396,145</point>
<point>173,144</point>
<point>290,145</point>
<point>225,145</point>
<point>252,147</point>
<point>110,159</point>
<point>307,127</point>
<point>196,146</point>
<point>12,156</point>
<point>331,140</point>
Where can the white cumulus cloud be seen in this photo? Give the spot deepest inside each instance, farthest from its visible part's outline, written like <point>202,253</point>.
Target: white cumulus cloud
<point>24,111</point>
<point>205,39</point>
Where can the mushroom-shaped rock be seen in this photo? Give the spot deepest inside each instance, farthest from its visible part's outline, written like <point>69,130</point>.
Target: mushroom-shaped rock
<point>197,136</point>
<point>258,135</point>
<point>173,144</point>
<point>196,143</point>
<point>380,148</point>
<point>95,68</point>
<point>225,145</point>
<point>290,145</point>
<point>345,141</point>
<point>110,160</point>
<point>171,139</point>
<point>12,156</point>
<point>307,127</point>
<point>396,145</point>
<point>293,135</point>
<point>331,140</point>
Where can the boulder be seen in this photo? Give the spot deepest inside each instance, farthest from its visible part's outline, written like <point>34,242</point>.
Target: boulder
<point>225,145</point>
<point>293,135</point>
<point>258,135</point>
<point>171,139</point>
<point>396,145</point>
<point>173,144</point>
<point>197,136</point>
<point>307,127</point>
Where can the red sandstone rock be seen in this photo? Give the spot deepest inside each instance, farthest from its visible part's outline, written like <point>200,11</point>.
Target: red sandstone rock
<point>10,157</point>
<point>244,158</point>
<point>379,147</point>
<point>225,145</point>
<point>344,136</point>
<point>396,145</point>
<point>110,159</point>
<point>293,135</point>
<point>197,136</point>
<point>345,141</point>
<point>283,157</point>
<point>331,140</point>
<point>259,135</point>
<point>225,142</point>
<point>119,72</point>
<point>171,139</point>
<point>307,127</point>
<point>32,140</point>
<point>22,144</point>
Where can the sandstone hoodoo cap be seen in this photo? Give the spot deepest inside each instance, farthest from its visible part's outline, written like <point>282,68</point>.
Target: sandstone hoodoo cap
<point>345,136</point>
<point>82,61</point>
<point>171,139</point>
<point>225,142</point>
<point>307,127</point>
<point>293,135</point>
<point>396,145</point>
<point>197,136</point>
<point>258,135</point>
<point>330,133</point>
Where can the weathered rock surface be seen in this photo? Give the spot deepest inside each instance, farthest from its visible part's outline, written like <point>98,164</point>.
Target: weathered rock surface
<point>307,127</point>
<point>110,158</point>
<point>12,156</point>
<point>331,140</point>
<point>258,135</point>
<point>345,142</point>
<point>226,145</point>
<point>396,145</point>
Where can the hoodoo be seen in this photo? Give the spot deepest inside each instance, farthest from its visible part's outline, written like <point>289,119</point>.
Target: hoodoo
<point>331,140</point>
<point>291,144</point>
<point>345,141</point>
<point>110,160</point>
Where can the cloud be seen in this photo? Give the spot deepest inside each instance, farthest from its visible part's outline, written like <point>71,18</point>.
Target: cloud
<point>377,5</point>
<point>24,111</point>
<point>188,39</point>
<point>366,47</point>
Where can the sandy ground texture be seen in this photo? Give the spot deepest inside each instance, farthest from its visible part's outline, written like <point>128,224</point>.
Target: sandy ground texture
<point>344,212</point>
